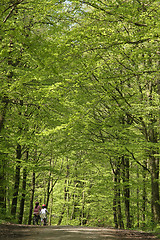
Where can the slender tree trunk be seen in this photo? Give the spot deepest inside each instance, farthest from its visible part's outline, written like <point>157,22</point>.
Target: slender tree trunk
<point>51,203</point>
<point>2,188</point>
<point>153,136</point>
<point>73,207</point>
<point>154,164</point>
<point>4,103</point>
<point>155,189</point>
<point>118,220</point>
<point>65,195</point>
<point>82,210</point>
<point>23,192</point>
<point>119,211</point>
<point>126,189</point>
<point>115,200</point>
<point>65,200</point>
<point>31,200</point>
<point>23,196</point>
<point>138,198</point>
<point>144,195</point>
<point>115,209</point>
<point>17,176</point>
<point>17,181</point>
<point>48,186</point>
<point>62,213</point>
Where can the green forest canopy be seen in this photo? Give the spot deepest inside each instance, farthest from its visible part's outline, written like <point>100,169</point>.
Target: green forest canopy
<point>79,111</point>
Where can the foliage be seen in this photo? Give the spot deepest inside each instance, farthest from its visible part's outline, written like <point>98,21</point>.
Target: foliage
<point>79,111</point>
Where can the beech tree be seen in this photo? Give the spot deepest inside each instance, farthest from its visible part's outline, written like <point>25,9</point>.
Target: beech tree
<point>116,69</point>
<point>79,111</point>
<point>24,84</point>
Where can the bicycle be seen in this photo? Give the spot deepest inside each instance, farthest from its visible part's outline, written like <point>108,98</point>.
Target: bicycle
<point>36,219</point>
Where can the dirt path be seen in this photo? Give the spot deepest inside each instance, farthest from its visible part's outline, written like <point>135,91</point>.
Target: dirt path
<point>22,232</point>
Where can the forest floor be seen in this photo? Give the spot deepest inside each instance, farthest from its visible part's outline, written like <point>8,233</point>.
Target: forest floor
<point>26,232</point>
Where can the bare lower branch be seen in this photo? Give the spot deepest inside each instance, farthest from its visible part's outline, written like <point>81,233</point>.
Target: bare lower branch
<point>13,7</point>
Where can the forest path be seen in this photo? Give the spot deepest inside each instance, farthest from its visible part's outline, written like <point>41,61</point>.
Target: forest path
<point>25,232</point>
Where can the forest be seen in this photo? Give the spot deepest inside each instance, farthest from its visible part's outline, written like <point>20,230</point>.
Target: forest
<point>80,111</point>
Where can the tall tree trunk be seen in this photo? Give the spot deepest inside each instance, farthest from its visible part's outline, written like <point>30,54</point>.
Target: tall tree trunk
<point>144,195</point>
<point>62,213</point>
<point>73,213</point>
<point>48,186</point>
<point>119,211</point>
<point>138,207</point>
<point>51,203</point>
<point>17,181</point>
<point>115,205</point>
<point>153,136</point>
<point>17,176</point>
<point>4,104</point>
<point>155,188</point>
<point>126,189</point>
<point>83,221</point>
<point>51,184</point>
<point>118,220</point>
<point>31,200</point>
<point>154,165</point>
<point>5,101</point>
<point>23,192</point>
<point>65,200</point>
<point>23,196</point>
<point>65,195</point>
<point>2,188</point>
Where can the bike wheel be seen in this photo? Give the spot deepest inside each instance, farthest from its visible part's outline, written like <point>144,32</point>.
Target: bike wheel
<point>35,220</point>
<point>44,221</point>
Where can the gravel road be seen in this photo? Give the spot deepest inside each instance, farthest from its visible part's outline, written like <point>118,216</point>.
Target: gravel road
<point>23,232</point>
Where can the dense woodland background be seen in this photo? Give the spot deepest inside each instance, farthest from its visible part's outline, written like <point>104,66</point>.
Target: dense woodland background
<point>80,111</point>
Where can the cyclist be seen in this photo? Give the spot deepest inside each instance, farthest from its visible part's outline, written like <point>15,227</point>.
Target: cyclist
<point>43,214</point>
<point>36,213</point>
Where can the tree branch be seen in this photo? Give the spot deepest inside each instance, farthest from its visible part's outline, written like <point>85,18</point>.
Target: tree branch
<point>13,7</point>
<point>144,167</point>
